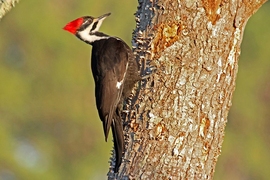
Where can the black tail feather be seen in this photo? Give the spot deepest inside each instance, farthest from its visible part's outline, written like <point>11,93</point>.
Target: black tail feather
<point>118,139</point>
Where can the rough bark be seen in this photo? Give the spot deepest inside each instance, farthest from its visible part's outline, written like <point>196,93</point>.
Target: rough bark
<point>6,5</point>
<point>175,121</point>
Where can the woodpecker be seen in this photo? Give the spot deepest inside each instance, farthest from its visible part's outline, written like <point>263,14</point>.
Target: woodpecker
<point>115,73</point>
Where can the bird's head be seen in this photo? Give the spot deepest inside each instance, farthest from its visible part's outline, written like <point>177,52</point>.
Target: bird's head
<point>86,22</point>
<point>86,27</point>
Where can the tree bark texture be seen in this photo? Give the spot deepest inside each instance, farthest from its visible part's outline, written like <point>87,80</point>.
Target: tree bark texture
<point>174,125</point>
<point>5,6</point>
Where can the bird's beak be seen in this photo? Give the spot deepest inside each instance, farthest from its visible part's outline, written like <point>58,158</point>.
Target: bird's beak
<point>103,16</point>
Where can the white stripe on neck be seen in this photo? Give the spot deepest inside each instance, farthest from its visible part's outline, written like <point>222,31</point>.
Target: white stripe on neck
<point>85,36</point>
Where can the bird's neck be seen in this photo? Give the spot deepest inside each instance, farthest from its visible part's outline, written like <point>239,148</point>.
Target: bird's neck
<point>90,38</point>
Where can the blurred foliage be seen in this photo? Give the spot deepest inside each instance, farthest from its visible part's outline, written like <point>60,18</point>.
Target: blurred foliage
<point>49,128</point>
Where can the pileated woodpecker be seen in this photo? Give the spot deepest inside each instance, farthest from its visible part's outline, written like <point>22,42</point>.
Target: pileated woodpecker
<point>115,72</point>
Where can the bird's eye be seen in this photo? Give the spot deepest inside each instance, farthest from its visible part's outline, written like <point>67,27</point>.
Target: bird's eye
<point>85,22</point>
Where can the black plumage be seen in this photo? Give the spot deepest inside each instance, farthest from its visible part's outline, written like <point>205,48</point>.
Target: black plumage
<point>109,63</point>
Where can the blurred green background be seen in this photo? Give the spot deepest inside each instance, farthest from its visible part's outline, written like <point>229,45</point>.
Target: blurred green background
<point>49,128</point>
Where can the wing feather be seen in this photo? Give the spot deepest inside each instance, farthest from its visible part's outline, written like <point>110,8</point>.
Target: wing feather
<point>107,100</point>
<point>109,66</point>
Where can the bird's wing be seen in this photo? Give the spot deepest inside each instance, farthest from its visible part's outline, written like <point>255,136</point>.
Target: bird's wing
<point>108,97</point>
<point>109,83</point>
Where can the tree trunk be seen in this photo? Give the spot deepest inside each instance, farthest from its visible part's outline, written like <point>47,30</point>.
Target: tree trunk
<point>175,122</point>
<point>5,6</point>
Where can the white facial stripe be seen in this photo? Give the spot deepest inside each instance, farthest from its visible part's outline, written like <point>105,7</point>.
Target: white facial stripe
<point>90,37</point>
